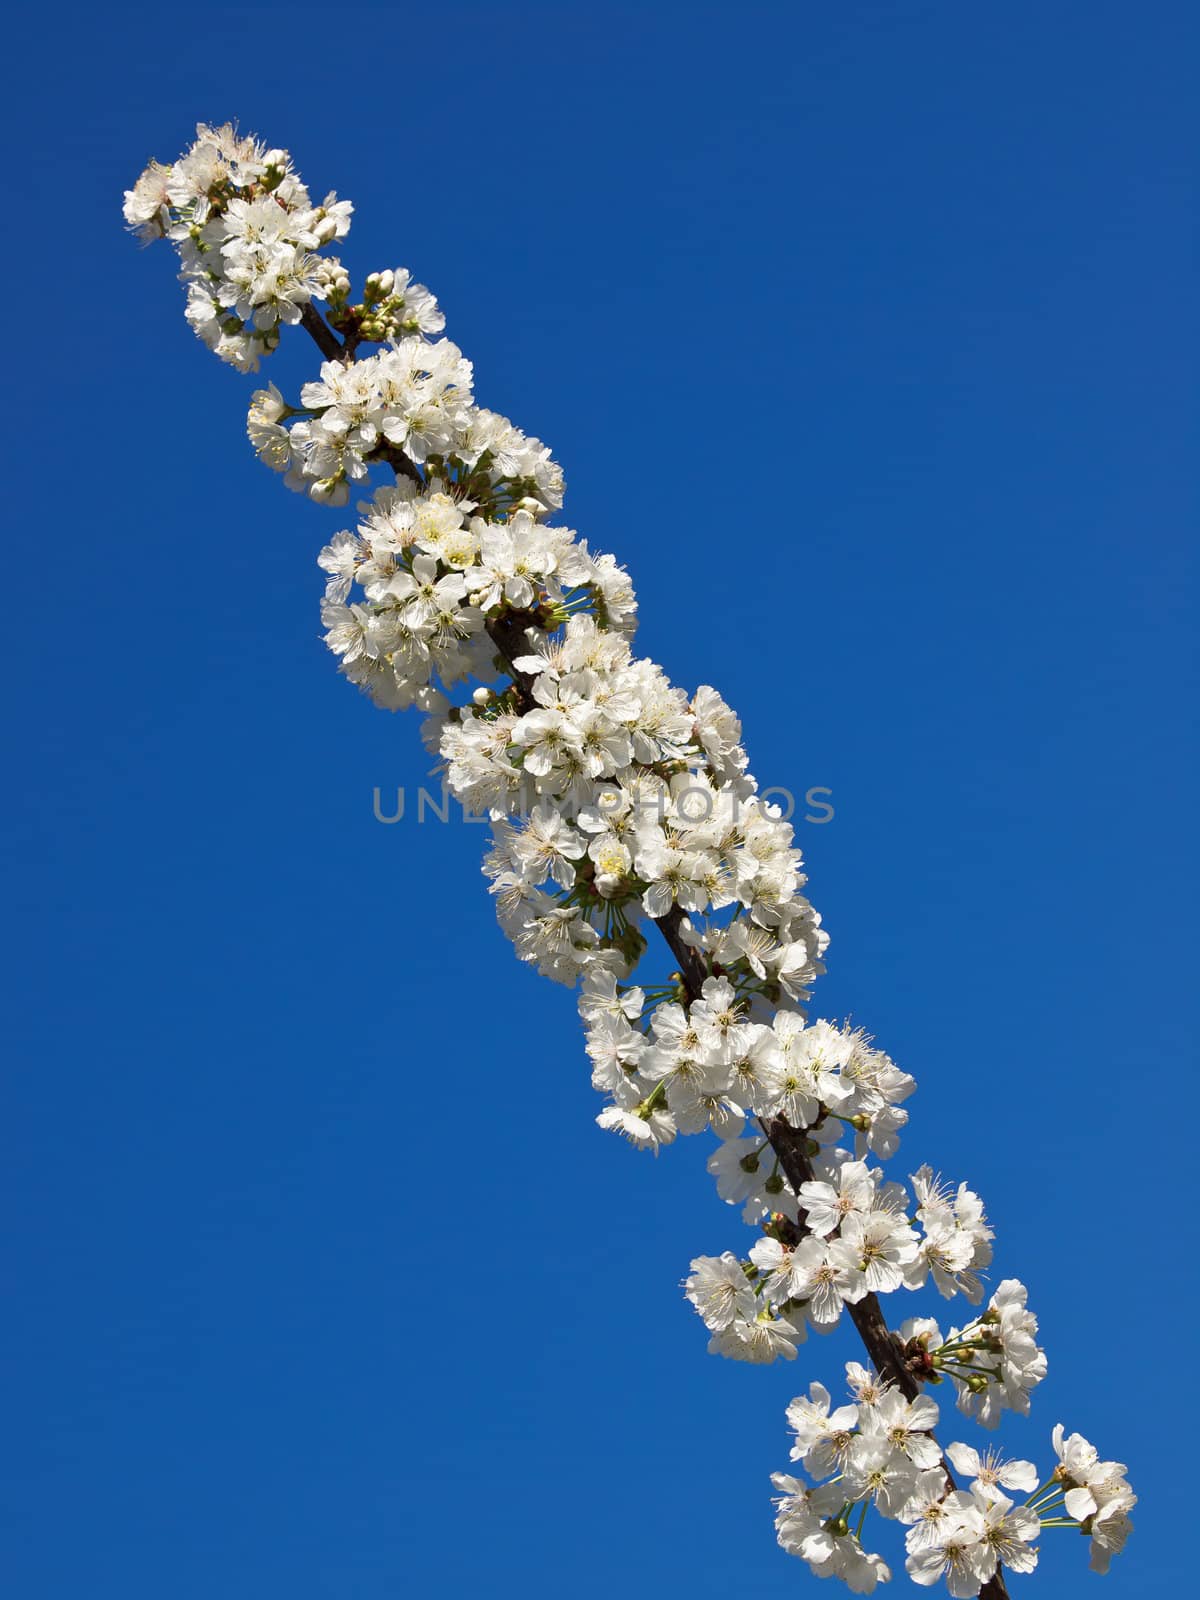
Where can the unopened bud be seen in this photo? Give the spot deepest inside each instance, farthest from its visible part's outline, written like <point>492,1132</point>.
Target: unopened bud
<point>331,491</point>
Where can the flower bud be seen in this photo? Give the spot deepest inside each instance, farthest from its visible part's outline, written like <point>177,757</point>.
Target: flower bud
<point>330,491</point>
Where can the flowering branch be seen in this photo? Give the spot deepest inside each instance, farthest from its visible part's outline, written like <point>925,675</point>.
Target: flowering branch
<point>788,1143</point>
<point>617,801</point>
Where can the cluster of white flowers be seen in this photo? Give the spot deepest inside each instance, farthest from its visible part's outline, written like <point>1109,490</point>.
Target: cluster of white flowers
<point>879,1452</point>
<point>410,591</point>
<point>993,1362</point>
<point>844,1235</point>
<point>618,804</point>
<point>413,398</point>
<point>647,824</point>
<point>1094,1494</point>
<point>247,235</point>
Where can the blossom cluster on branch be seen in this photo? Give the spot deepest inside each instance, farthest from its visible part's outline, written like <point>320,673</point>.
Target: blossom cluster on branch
<point>621,805</point>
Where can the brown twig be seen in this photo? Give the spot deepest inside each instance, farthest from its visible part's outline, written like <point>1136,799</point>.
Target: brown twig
<point>323,336</point>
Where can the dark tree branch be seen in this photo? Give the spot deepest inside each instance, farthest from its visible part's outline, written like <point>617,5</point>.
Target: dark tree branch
<point>323,336</point>
<point>508,634</point>
<point>693,969</point>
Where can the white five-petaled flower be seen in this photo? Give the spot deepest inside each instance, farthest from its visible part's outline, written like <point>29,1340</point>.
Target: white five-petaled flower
<point>906,1425</point>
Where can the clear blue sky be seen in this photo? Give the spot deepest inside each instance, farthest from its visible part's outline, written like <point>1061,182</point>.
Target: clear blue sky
<point>867,337</point>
